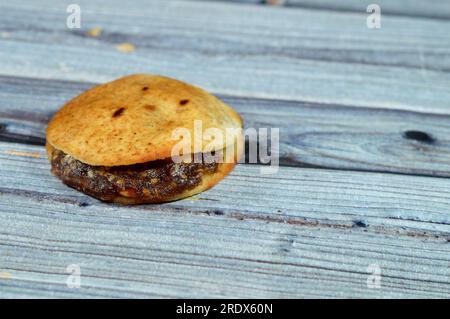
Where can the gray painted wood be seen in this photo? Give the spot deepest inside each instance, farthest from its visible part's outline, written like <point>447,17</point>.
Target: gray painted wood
<point>318,135</point>
<point>404,203</point>
<point>307,55</point>
<point>436,9</point>
<point>343,97</point>
<point>300,233</point>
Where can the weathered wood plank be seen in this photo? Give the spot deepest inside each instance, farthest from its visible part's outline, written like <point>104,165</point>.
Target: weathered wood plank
<point>131,252</point>
<point>306,55</point>
<point>436,9</point>
<point>404,205</point>
<point>329,136</point>
<point>301,233</point>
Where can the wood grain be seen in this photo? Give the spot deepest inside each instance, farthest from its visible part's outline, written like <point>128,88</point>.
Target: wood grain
<point>312,135</point>
<point>301,233</point>
<point>437,9</point>
<point>404,205</point>
<point>344,97</point>
<point>403,65</point>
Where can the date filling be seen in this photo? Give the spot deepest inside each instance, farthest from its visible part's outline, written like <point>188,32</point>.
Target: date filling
<point>140,183</point>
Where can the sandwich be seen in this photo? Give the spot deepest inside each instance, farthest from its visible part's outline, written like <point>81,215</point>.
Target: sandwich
<point>135,140</point>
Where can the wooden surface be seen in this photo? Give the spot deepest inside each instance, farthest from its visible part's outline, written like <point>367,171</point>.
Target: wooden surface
<point>403,65</point>
<point>364,148</point>
<point>436,9</point>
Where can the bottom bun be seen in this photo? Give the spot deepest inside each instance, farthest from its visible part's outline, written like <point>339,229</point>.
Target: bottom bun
<point>151,182</point>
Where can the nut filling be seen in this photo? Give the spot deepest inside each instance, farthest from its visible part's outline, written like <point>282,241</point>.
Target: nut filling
<point>154,181</point>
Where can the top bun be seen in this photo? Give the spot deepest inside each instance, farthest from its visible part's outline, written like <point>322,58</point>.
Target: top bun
<point>131,120</point>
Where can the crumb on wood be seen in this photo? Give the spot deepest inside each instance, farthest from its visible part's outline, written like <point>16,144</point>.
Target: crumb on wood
<point>125,47</point>
<point>94,32</point>
<point>275,2</point>
<point>5,275</point>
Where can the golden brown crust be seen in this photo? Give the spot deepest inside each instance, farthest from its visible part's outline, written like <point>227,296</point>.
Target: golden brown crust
<point>131,120</point>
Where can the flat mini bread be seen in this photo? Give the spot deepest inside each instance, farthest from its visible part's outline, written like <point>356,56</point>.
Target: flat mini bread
<point>115,141</point>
